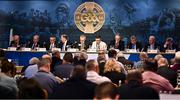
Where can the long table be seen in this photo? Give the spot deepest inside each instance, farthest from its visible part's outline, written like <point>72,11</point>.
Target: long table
<point>22,58</point>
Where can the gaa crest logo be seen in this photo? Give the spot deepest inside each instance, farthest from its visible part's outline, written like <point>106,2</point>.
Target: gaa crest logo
<point>89,17</point>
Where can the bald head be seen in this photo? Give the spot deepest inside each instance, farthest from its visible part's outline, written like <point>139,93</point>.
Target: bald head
<point>177,57</point>
<point>143,56</point>
<point>92,65</point>
<point>46,56</point>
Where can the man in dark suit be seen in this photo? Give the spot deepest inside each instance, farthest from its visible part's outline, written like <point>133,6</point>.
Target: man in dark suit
<point>34,44</point>
<point>152,44</point>
<point>64,44</point>
<point>81,44</point>
<point>170,45</point>
<point>52,43</point>
<point>117,43</point>
<point>77,87</point>
<point>64,70</point>
<point>16,42</point>
<point>134,44</point>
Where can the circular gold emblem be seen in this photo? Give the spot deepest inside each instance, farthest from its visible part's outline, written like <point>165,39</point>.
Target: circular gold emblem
<point>89,17</point>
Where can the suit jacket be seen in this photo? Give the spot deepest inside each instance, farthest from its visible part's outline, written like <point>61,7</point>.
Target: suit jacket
<point>120,47</point>
<point>61,45</point>
<point>13,44</point>
<point>169,74</point>
<point>78,45</point>
<point>138,46</point>
<point>74,88</point>
<point>55,61</point>
<point>64,70</point>
<point>174,46</point>
<point>134,90</point>
<point>156,45</point>
<point>47,46</point>
<point>30,45</point>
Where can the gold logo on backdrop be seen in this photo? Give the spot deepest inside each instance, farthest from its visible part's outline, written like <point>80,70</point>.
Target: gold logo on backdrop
<point>89,17</point>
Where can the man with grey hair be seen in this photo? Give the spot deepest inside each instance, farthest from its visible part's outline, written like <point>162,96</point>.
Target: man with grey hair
<point>142,56</point>
<point>56,59</point>
<point>152,44</point>
<point>93,73</point>
<point>166,72</point>
<point>32,69</point>
<point>176,66</point>
<point>44,77</point>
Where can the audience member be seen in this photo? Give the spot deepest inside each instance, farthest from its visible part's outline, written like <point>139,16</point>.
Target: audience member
<point>101,59</point>
<point>7,74</point>
<point>32,69</point>
<point>44,77</point>
<point>56,59</point>
<point>123,60</point>
<point>176,66</point>
<point>64,70</point>
<point>113,71</point>
<point>92,73</point>
<point>166,72</point>
<point>134,89</point>
<point>30,89</point>
<point>77,87</point>
<point>80,58</point>
<point>151,79</point>
<point>158,56</point>
<point>106,91</point>
<point>143,56</point>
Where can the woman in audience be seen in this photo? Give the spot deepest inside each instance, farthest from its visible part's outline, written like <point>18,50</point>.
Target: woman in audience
<point>113,71</point>
<point>30,89</point>
<point>151,79</point>
<point>101,59</point>
<point>7,73</point>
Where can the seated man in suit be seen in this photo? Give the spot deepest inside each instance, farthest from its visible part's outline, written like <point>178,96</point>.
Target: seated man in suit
<point>134,44</point>
<point>82,43</point>
<point>98,44</point>
<point>16,42</point>
<point>52,43</point>
<point>35,43</point>
<point>170,45</point>
<point>152,44</point>
<point>64,42</point>
<point>117,43</point>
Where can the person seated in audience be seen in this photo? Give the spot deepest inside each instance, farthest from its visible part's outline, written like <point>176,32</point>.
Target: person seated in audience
<point>101,59</point>
<point>142,56</point>
<point>65,43</point>
<point>8,71</point>
<point>92,73</point>
<point>113,71</point>
<point>106,91</point>
<point>134,88</point>
<point>170,45</point>
<point>56,59</point>
<point>98,44</point>
<point>176,66</point>
<point>32,69</point>
<point>113,54</point>
<point>34,44</point>
<point>52,43</point>
<point>151,79</point>
<point>82,44</point>
<point>166,72</point>
<point>47,56</point>
<point>7,93</point>
<point>31,89</point>
<point>44,77</point>
<point>158,56</point>
<point>80,59</point>
<point>64,70</point>
<point>77,87</point>
<point>117,43</point>
<point>16,42</point>
<point>152,45</point>
<point>2,57</point>
<point>123,60</point>
<point>134,44</point>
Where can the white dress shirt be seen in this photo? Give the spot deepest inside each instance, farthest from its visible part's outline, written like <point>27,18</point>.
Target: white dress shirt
<point>102,46</point>
<point>96,78</point>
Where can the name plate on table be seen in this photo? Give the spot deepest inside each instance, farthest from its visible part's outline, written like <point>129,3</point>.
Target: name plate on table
<point>72,50</point>
<point>131,50</point>
<point>26,49</point>
<point>170,51</point>
<point>41,49</point>
<point>54,49</point>
<point>12,48</point>
<point>152,51</point>
<point>91,50</point>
